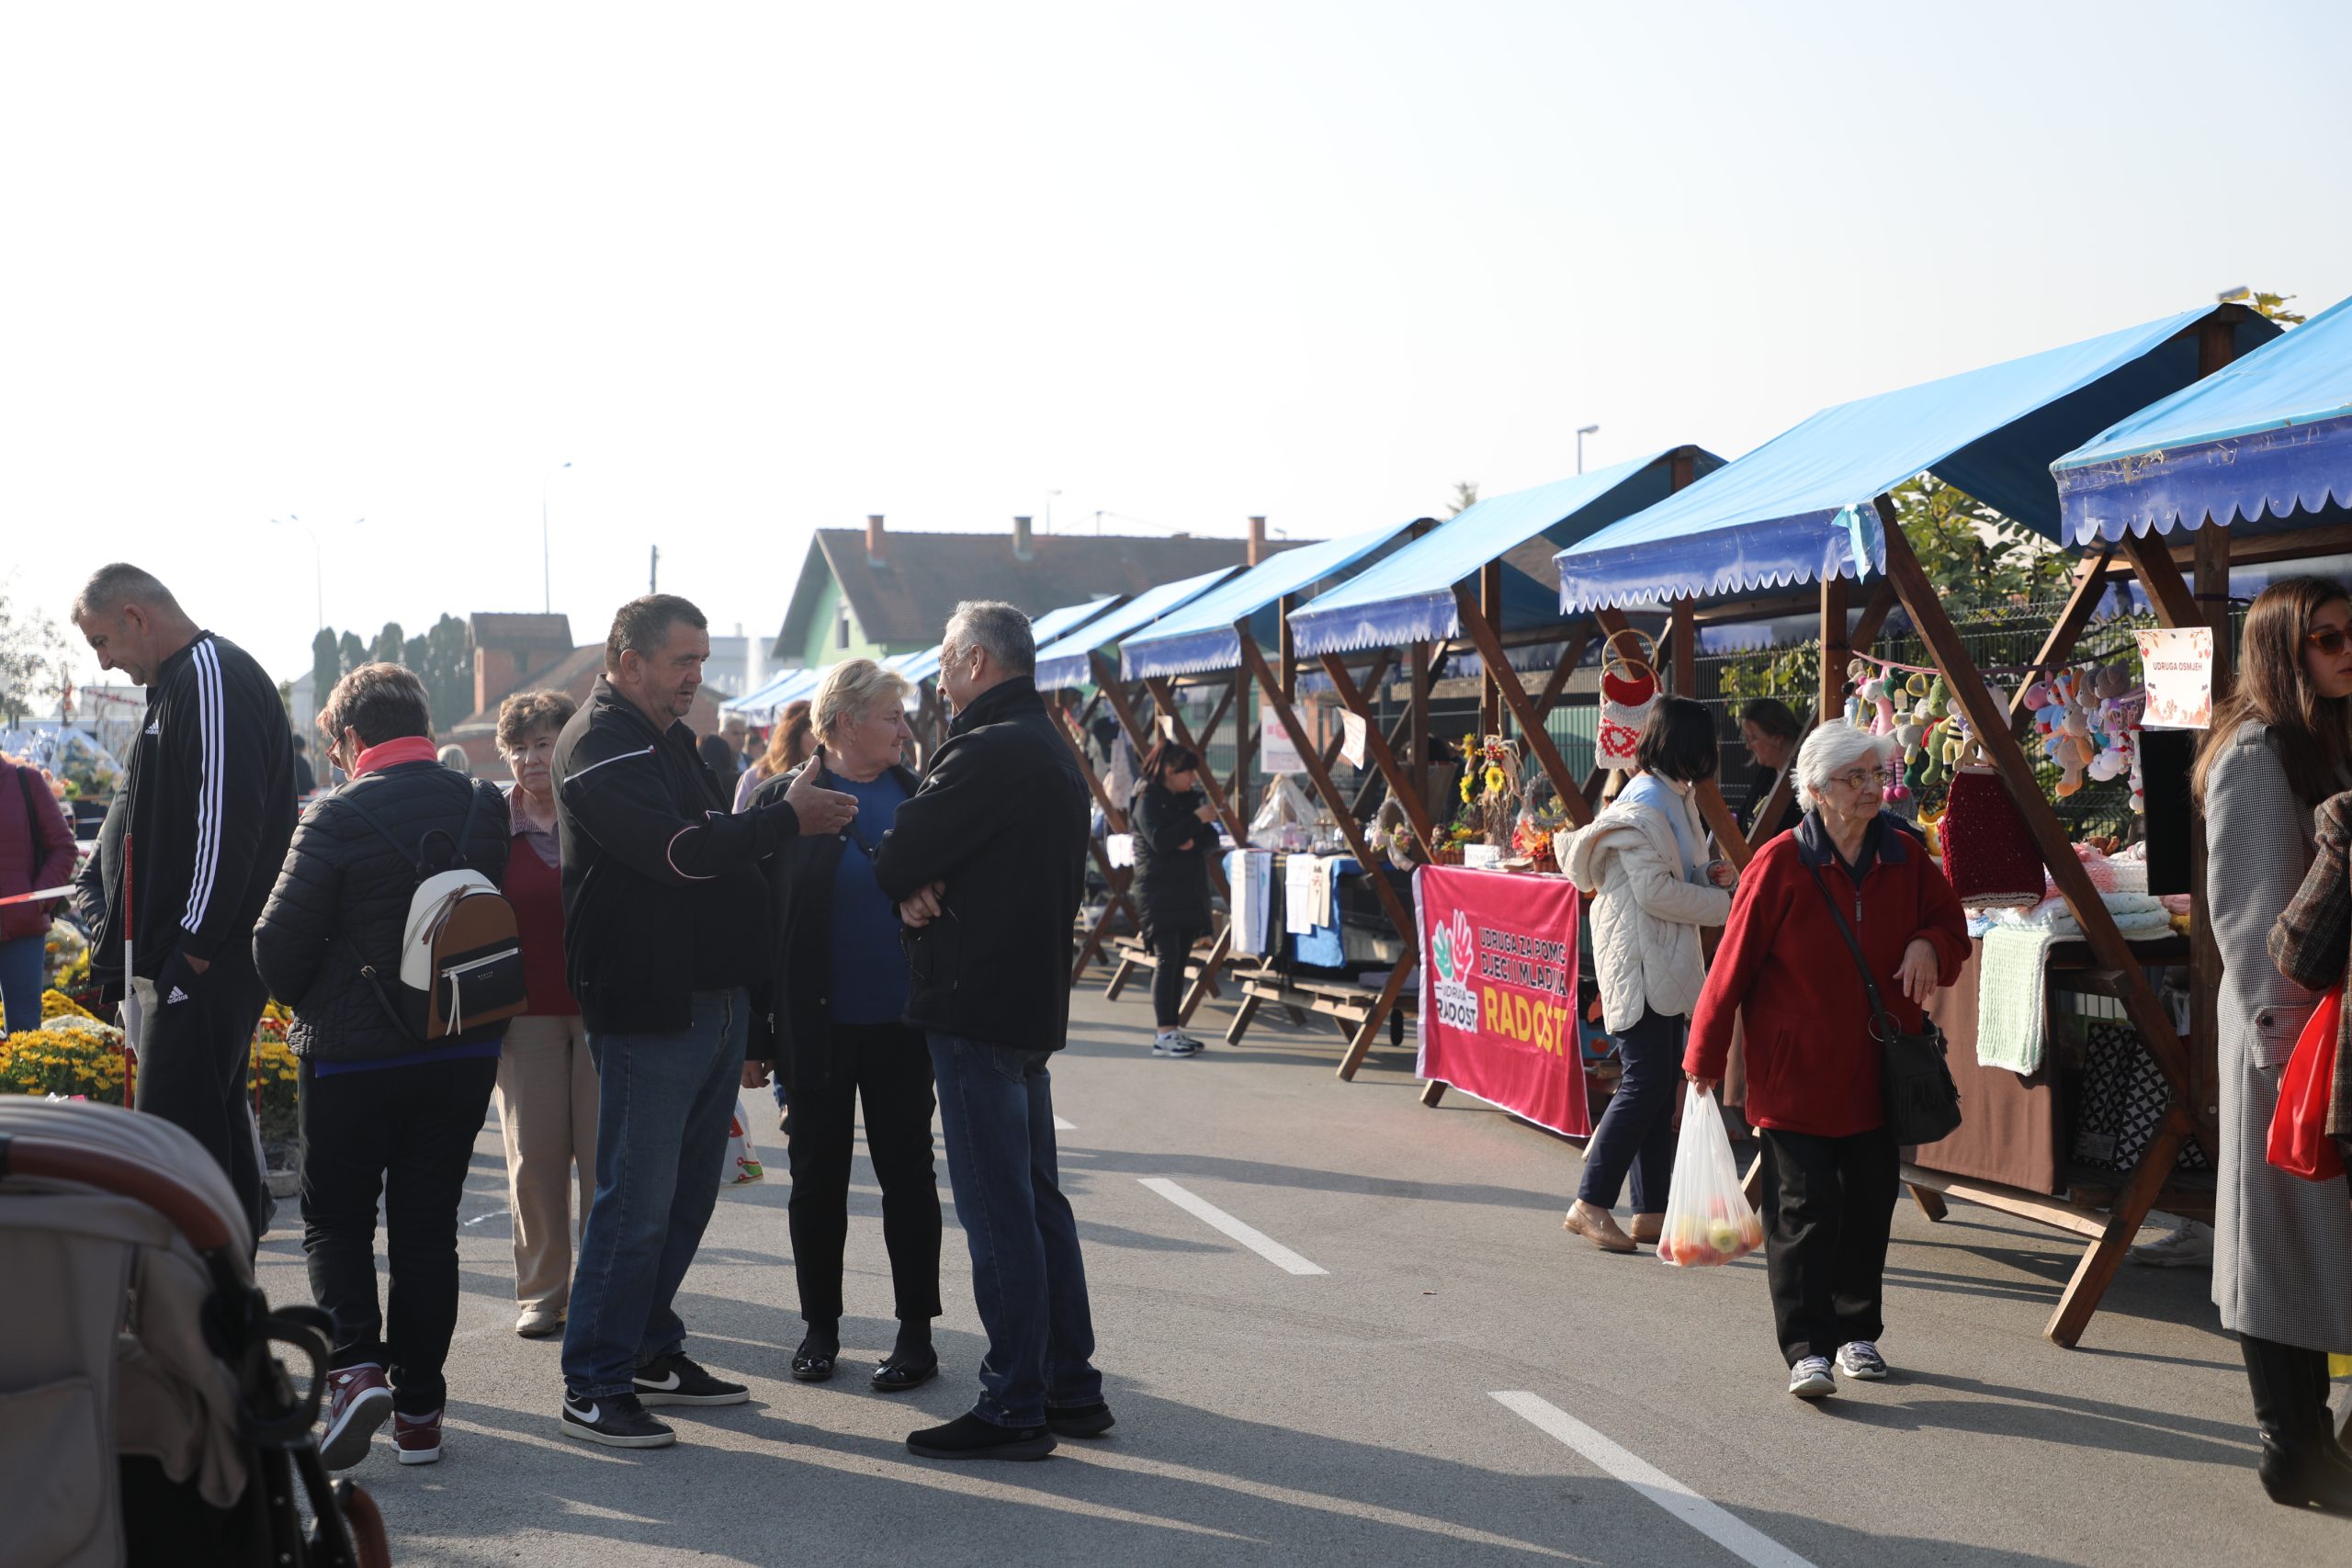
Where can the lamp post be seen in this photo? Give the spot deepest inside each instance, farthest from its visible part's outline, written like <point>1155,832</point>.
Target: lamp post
<point>1583,431</point>
<point>318,566</point>
<point>546,571</point>
<point>1049,509</point>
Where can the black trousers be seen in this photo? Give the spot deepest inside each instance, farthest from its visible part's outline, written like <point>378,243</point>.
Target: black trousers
<point>408,1134</point>
<point>195,1058</point>
<point>1174,950</point>
<point>887,1066</point>
<point>1636,1133</point>
<point>1828,1204</point>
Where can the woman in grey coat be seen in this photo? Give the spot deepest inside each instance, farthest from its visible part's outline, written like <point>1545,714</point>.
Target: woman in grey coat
<point>2282,1246</point>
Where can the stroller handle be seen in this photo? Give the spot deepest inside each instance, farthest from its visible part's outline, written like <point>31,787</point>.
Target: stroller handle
<point>46,1157</point>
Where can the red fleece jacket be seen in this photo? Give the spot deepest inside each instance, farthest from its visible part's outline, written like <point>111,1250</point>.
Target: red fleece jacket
<point>1811,1064</point>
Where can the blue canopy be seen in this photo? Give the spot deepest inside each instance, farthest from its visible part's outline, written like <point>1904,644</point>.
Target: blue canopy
<point>1064,662</point>
<point>1201,636</point>
<point>1800,507</point>
<point>760,707</point>
<point>1409,596</point>
<point>2258,440</point>
<point>1043,629</point>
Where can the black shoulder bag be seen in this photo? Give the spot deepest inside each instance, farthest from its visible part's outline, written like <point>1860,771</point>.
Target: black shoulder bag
<point>1921,1101</point>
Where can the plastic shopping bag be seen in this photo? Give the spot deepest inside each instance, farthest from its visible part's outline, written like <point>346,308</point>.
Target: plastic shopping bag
<point>1708,1219</point>
<point>2299,1144</point>
<point>743,1164</point>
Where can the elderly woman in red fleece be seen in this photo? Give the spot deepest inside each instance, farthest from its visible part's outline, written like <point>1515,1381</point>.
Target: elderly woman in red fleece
<point>1830,1165</point>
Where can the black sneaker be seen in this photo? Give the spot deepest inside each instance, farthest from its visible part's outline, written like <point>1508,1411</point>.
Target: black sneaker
<point>1080,1420</point>
<point>968,1437</point>
<point>675,1379</point>
<point>616,1420</point>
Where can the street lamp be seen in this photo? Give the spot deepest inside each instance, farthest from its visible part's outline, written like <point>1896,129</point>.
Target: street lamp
<point>318,567</point>
<point>1049,509</point>
<point>1583,431</point>
<point>547,572</point>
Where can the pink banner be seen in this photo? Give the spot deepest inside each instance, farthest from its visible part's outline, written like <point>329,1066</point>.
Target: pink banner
<point>1498,991</point>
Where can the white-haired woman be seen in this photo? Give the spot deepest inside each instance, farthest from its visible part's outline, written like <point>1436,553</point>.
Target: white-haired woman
<point>1831,1164</point>
<point>833,1014</point>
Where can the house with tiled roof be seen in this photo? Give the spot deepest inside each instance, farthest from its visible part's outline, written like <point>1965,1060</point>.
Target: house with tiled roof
<point>534,652</point>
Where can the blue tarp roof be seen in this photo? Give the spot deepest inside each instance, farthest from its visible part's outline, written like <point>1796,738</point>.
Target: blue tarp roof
<point>2253,443</point>
<point>1799,507</point>
<point>760,707</point>
<point>1064,662</point>
<point>1201,636</point>
<point>1409,596</point>
<point>1043,628</point>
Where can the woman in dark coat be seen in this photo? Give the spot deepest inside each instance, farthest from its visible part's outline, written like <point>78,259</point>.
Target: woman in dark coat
<point>1175,833</point>
<point>833,1012</point>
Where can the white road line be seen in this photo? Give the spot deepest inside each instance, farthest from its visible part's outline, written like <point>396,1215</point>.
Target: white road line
<point>1264,1245</point>
<point>1734,1535</point>
<point>494,1214</point>
<point>1062,1126</point>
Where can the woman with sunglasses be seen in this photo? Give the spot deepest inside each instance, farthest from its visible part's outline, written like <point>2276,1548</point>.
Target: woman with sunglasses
<point>1830,1162</point>
<point>2282,1246</point>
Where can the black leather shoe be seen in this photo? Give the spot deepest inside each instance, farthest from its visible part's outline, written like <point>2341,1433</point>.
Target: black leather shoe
<point>895,1376</point>
<point>968,1437</point>
<point>813,1362</point>
<point>1080,1420</point>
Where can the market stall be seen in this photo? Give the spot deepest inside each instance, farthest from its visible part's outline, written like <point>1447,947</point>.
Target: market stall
<point>1222,636</point>
<point>1812,506</point>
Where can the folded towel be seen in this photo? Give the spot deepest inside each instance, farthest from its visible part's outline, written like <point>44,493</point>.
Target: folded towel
<point>1299,905</point>
<point>2012,1013</point>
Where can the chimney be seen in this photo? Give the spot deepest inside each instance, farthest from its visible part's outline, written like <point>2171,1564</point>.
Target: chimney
<point>1022,550</point>
<point>877,544</point>
<point>494,675</point>
<point>1257,540</point>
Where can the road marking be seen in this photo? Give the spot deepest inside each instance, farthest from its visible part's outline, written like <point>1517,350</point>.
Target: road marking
<point>1264,1245</point>
<point>1736,1536</point>
<point>1062,1126</point>
<point>494,1214</point>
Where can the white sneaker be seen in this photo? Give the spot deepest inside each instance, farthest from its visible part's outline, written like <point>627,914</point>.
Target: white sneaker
<point>1175,1045</point>
<point>1860,1360</point>
<point>1810,1378</point>
<point>2190,1247</point>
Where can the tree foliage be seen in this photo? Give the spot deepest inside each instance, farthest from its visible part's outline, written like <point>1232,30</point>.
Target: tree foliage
<point>386,649</point>
<point>351,653</point>
<point>442,656</point>
<point>33,659</point>
<point>2274,307</point>
<point>327,667</point>
<point>1465,496</point>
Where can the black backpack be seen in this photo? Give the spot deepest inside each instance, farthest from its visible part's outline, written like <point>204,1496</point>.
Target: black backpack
<point>461,963</point>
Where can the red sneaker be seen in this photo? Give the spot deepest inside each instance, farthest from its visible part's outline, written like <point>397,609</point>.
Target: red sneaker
<point>358,1401</point>
<point>418,1438</point>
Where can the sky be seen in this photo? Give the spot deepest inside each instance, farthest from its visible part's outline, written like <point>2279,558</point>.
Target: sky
<point>758,269</point>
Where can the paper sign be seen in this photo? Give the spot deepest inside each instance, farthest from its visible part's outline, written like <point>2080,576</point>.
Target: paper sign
<point>1353,732</point>
<point>2176,666</point>
<point>1481,857</point>
<point>1168,726</point>
<point>1276,754</point>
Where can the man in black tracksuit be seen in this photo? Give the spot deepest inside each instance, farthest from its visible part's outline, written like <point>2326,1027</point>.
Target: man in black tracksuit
<point>665,927</point>
<point>208,812</point>
<point>988,862</point>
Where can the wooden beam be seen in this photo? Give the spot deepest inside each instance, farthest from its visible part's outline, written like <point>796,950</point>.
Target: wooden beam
<point>1836,651</point>
<point>2168,592</point>
<point>1571,654</point>
<point>1245,741</point>
<point>1828,701</point>
<point>1490,613</point>
<point>1417,701</point>
<point>1165,695</point>
<point>1115,692</point>
<point>1270,690</point>
<point>1400,783</point>
<point>1683,634</point>
<point>2104,1256</point>
<point>1515,698</point>
<point>2090,584</point>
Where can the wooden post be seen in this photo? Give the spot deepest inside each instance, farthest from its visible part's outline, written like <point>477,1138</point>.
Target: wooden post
<point>1571,654</point>
<point>1834,652</point>
<point>1683,633</point>
<point>1245,744</point>
<point>2090,586</point>
<point>1254,662</point>
<point>2163,1044</point>
<point>1490,611</point>
<point>1829,701</point>
<point>1514,697</point>
<point>1416,764</point>
<point>1417,812</point>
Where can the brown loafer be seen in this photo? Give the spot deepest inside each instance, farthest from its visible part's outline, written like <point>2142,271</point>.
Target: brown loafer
<point>1598,1226</point>
<point>1648,1228</point>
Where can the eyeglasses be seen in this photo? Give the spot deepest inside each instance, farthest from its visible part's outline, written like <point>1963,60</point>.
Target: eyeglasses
<point>1860,779</point>
<point>2329,641</point>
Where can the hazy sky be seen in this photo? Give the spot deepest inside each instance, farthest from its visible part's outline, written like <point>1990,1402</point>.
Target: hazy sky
<point>758,269</point>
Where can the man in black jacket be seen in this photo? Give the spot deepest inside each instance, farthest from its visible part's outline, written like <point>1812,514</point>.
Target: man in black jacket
<point>665,927</point>
<point>209,811</point>
<point>988,862</point>
<point>383,1112</point>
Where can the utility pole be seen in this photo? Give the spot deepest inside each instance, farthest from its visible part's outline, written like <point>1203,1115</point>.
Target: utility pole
<point>653,572</point>
<point>1583,431</point>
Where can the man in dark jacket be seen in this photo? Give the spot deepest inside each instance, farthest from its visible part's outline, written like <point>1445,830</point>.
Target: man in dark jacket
<point>988,862</point>
<point>210,812</point>
<point>665,927</point>
<point>383,1111</point>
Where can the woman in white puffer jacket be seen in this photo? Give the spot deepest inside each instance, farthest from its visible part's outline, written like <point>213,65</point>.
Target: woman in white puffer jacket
<point>1643,868</point>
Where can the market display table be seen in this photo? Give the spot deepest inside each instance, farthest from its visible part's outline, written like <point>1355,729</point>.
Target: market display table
<point>1335,968</point>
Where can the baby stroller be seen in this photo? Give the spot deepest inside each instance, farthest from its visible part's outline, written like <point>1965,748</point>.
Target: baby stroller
<point>145,1415</point>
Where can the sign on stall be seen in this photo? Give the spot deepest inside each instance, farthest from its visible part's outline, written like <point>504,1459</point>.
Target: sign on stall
<point>1499,992</point>
<point>2176,664</point>
<point>1354,730</point>
<point>1277,755</point>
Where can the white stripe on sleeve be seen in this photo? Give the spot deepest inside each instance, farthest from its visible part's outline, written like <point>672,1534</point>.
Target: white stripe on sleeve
<point>211,751</point>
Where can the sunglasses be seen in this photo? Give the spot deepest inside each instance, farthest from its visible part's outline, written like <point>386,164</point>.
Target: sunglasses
<point>2330,641</point>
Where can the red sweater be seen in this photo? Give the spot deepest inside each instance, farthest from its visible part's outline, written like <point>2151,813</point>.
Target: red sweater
<point>35,852</point>
<point>1811,1064</point>
<point>535,889</point>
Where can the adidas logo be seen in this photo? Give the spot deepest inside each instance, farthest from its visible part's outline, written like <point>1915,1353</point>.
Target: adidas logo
<point>177,996</point>
<point>155,728</point>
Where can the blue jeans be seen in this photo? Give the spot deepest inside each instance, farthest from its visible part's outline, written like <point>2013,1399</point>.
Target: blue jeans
<point>24,964</point>
<point>996,1106</point>
<point>1637,1130</point>
<point>661,1115</point>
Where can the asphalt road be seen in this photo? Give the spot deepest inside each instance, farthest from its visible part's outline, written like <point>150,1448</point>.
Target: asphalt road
<point>1463,1382</point>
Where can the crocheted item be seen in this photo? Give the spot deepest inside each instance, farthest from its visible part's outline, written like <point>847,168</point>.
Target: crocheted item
<point>1988,854</point>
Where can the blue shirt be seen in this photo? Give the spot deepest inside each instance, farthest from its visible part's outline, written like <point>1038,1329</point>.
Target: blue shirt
<point>1654,793</point>
<point>869,978</point>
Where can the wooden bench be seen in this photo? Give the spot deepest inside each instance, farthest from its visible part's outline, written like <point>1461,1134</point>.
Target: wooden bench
<point>1133,956</point>
<point>1347,1003</point>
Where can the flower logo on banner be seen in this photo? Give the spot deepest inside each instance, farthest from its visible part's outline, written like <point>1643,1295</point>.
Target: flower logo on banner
<point>1455,948</point>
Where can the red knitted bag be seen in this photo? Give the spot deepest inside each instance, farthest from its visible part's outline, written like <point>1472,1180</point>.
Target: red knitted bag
<point>1988,854</point>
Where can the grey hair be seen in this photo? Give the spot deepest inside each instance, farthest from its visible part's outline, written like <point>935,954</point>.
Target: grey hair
<point>118,583</point>
<point>1831,749</point>
<point>999,627</point>
<point>849,689</point>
